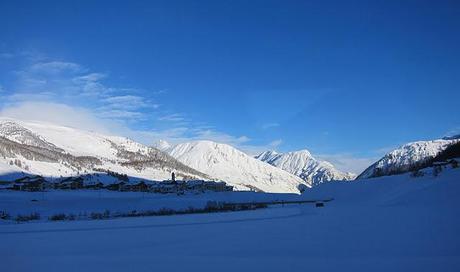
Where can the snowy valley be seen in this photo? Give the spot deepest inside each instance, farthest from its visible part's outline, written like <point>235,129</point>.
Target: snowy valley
<point>291,208</point>
<point>378,224</point>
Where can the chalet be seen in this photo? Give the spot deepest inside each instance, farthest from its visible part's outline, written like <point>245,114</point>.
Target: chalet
<point>215,186</point>
<point>195,185</point>
<point>116,186</point>
<point>94,185</point>
<point>141,186</point>
<point>6,185</point>
<point>30,184</point>
<point>155,187</point>
<point>168,188</point>
<point>70,183</point>
<point>180,186</point>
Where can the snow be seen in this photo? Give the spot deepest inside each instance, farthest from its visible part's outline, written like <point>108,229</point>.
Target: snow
<point>67,140</point>
<point>235,167</point>
<point>392,223</point>
<point>88,201</point>
<point>403,158</point>
<point>162,145</point>
<point>302,164</point>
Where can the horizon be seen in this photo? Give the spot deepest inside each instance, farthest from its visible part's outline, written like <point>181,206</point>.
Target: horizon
<point>346,82</point>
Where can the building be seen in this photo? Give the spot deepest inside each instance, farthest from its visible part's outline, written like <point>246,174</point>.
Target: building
<point>94,185</point>
<point>141,186</point>
<point>30,184</point>
<point>70,183</point>
<point>116,186</point>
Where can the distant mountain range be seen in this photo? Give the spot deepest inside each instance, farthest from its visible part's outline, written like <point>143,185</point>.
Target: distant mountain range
<point>57,151</point>
<point>239,169</point>
<point>304,165</point>
<point>33,148</point>
<point>53,151</point>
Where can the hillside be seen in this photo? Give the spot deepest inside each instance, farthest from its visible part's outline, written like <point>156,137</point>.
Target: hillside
<point>304,165</point>
<point>409,157</point>
<point>229,164</point>
<point>57,151</point>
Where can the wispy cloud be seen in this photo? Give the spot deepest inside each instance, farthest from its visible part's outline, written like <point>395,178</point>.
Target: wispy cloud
<point>55,67</point>
<point>70,94</point>
<point>60,114</point>
<point>175,117</point>
<point>270,125</point>
<point>65,82</point>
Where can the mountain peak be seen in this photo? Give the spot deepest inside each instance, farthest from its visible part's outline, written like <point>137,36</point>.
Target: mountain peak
<point>162,145</point>
<point>225,162</point>
<point>302,164</point>
<point>53,151</point>
<point>407,157</point>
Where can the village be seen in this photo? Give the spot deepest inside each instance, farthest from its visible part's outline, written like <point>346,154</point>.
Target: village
<point>123,184</point>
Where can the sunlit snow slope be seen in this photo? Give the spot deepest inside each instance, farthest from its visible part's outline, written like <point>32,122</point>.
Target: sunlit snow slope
<point>304,165</point>
<point>229,164</point>
<point>55,151</point>
<point>407,158</point>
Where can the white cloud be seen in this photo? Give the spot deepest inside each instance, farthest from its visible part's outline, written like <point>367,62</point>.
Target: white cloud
<point>127,102</point>
<point>121,114</point>
<point>270,125</point>
<point>59,114</point>
<point>175,117</point>
<point>86,119</point>
<point>24,96</point>
<point>55,67</point>
<point>90,77</point>
<point>67,93</point>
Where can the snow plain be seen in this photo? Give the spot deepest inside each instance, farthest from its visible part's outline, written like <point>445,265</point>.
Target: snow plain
<point>395,223</point>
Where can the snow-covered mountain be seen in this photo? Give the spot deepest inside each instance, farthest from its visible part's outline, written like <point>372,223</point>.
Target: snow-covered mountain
<point>239,169</point>
<point>55,151</point>
<point>408,157</point>
<point>162,145</point>
<point>304,165</point>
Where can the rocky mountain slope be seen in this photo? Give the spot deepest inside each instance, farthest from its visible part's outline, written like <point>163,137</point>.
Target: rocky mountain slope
<point>57,151</point>
<point>239,169</point>
<point>409,157</point>
<point>304,165</point>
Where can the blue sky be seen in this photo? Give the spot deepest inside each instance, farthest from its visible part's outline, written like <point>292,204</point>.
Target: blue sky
<point>347,80</point>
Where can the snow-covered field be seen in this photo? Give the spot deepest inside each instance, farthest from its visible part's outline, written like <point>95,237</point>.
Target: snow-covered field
<point>395,223</point>
<point>88,201</point>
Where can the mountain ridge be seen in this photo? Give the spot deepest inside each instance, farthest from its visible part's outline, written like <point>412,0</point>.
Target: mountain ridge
<point>51,150</point>
<point>408,157</point>
<point>302,164</point>
<point>236,167</point>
